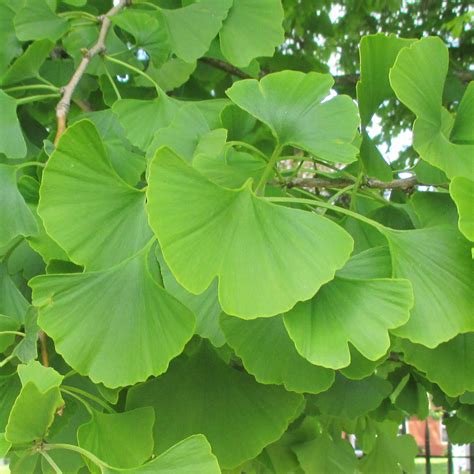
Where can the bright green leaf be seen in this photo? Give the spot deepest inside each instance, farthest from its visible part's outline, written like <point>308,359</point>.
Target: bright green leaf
<point>90,315</point>
<point>289,102</point>
<point>11,47</point>
<point>149,33</point>
<point>120,439</point>
<point>462,192</point>
<point>438,363</point>
<point>252,28</point>
<point>324,455</point>
<point>269,354</point>
<point>192,455</point>
<point>215,231</point>
<point>81,195</point>
<point>377,55</point>
<point>28,64</point>
<point>12,142</point>
<point>420,87</point>
<point>391,454</point>
<point>437,261</point>
<point>35,407</point>
<point>36,20</point>
<point>142,118</point>
<point>12,301</point>
<point>192,27</point>
<point>15,216</point>
<point>348,310</point>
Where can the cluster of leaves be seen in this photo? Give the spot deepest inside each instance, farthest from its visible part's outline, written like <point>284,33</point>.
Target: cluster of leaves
<point>197,310</point>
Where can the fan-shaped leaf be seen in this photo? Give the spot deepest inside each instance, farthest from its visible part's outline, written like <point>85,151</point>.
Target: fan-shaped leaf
<point>192,455</point>
<point>420,87</point>
<point>90,315</point>
<point>201,394</point>
<point>81,195</point>
<point>289,102</point>
<point>253,28</point>
<point>120,439</point>
<point>347,310</point>
<point>437,261</point>
<point>438,363</point>
<point>274,255</point>
<point>12,143</point>
<point>269,354</point>
<point>462,192</point>
<point>15,216</point>
<point>192,27</point>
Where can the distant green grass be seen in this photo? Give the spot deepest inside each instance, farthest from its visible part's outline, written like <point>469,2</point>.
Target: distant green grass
<point>438,466</point>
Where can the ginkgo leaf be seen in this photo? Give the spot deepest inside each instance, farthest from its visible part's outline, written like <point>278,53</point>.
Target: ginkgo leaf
<point>289,102</point>
<point>149,33</point>
<point>142,118</point>
<point>35,407</point>
<point>231,169</point>
<point>12,142</point>
<point>348,310</point>
<point>36,20</point>
<point>377,55</point>
<point>11,47</point>
<point>183,134</point>
<point>420,88</point>
<point>205,306</point>
<point>126,161</point>
<point>81,195</point>
<point>391,454</point>
<point>463,128</point>
<point>191,455</point>
<point>274,255</point>
<point>462,192</point>
<point>28,64</point>
<point>12,301</point>
<point>437,261</point>
<point>122,440</point>
<point>269,354</point>
<point>15,216</point>
<point>252,28</point>
<point>352,398</point>
<point>324,455</point>
<point>90,315</point>
<point>192,27</point>
<point>201,394</point>
<point>438,363</point>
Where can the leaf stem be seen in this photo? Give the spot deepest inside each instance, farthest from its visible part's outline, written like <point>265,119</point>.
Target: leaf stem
<point>51,462</point>
<point>78,398</point>
<point>26,164</point>
<point>342,210</point>
<point>6,360</point>
<point>249,147</point>
<point>134,69</point>
<point>266,172</point>
<point>80,14</point>
<point>112,82</point>
<point>31,87</point>
<point>95,399</point>
<point>36,98</point>
<point>70,447</point>
<point>12,333</point>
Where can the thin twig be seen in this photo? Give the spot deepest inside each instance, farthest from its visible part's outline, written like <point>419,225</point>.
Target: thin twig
<point>64,104</point>
<point>44,348</point>
<point>405,183</point>
<point>342,80</point>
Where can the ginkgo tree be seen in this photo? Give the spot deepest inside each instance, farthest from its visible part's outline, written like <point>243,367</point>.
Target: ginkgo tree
<point>206,264</point>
